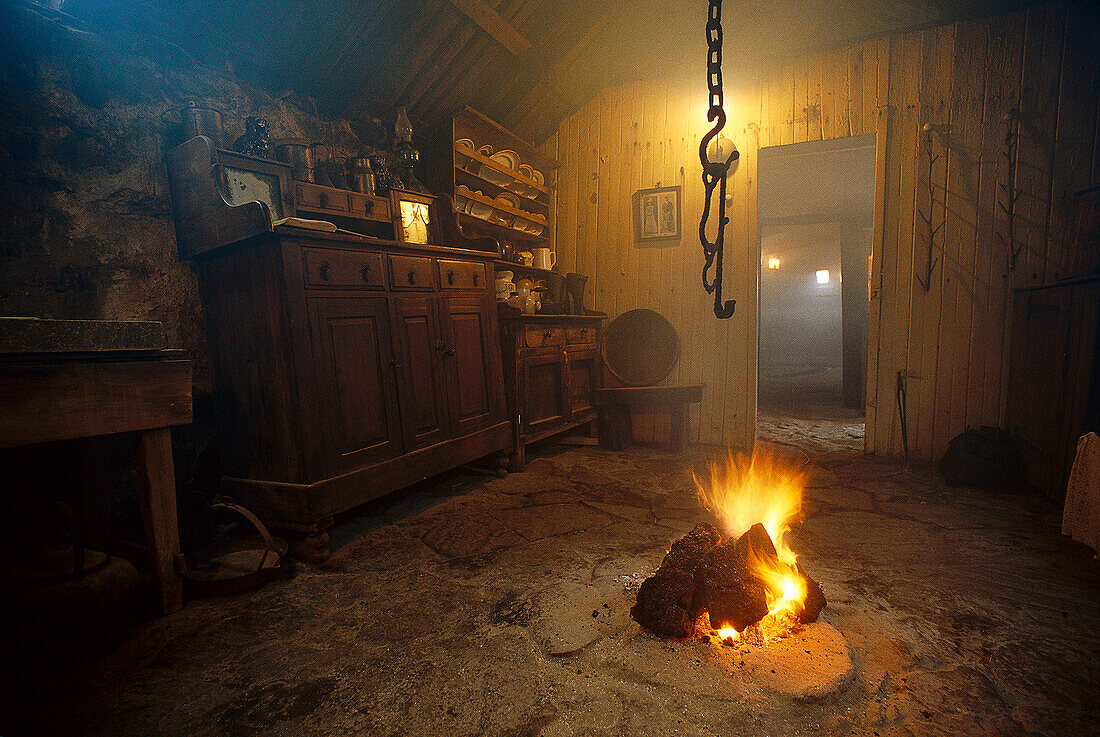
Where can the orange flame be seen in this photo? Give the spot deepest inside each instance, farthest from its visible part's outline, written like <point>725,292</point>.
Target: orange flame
<point>763,488</point>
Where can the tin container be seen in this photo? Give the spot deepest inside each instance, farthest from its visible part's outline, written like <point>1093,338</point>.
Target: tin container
<point>300,157</point>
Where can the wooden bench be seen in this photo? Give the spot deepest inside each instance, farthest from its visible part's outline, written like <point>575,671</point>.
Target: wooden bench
<point>615,411</point>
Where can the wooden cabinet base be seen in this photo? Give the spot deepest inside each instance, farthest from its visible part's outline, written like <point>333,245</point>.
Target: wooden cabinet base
<point>308,509</point>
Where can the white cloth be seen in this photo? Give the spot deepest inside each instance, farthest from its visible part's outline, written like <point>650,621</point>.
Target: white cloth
<point>1081,515</point>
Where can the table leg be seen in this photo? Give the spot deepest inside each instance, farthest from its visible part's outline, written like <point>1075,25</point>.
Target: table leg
<point>615,427</point>
<point>677,431</point>
<point>157,487</point>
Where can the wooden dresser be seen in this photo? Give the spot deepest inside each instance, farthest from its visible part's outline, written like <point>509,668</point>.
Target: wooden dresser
<point>551,370</point>
<point>348,366</point>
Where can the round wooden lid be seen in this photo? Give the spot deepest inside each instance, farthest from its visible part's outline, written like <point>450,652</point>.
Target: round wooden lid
<point>640,347</point>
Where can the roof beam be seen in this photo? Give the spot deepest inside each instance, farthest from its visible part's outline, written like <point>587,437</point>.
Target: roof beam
<point>481,13</point>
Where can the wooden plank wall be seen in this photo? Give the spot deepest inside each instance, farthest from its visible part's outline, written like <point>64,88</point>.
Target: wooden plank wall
<point>949,341</point>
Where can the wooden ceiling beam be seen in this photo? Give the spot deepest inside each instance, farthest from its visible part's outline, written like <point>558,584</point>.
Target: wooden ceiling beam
<point>483,14</point>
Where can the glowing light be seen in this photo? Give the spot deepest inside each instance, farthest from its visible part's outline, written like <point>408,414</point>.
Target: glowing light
<point>773,263</point>
<point>823,276</point>
<point>728,633</point>
<point>761,488</point>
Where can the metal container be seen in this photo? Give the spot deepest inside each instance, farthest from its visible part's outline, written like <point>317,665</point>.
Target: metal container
<point>300,157</point>
<point>360,174</point>
<point>201,121</point>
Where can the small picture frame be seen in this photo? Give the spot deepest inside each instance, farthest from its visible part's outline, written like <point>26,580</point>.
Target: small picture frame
<point>657,214</point>
<point>412,219</point>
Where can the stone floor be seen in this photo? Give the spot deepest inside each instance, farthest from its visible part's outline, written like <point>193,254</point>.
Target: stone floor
<point>500,607</point>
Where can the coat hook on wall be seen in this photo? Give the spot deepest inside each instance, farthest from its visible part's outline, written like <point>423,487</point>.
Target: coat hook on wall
<point>1008,187</point>
<point>932,228</point>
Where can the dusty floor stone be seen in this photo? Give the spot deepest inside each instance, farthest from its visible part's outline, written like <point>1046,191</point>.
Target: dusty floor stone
<point>964,613</point>
<point>810,665</point>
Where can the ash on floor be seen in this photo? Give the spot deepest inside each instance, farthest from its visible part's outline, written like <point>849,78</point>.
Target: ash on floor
<point>502,608</point>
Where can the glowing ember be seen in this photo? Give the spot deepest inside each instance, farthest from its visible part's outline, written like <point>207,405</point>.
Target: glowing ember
<point>761,488</point>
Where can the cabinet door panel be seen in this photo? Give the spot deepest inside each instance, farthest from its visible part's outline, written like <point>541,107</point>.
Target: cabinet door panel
<point>422,390</point>
<point>356,380</point>
<point>471,375</point>
<point>584,377</point>
<point>543,397</point>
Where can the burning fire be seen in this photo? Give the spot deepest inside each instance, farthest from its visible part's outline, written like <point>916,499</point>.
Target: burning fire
<point>761,487</point>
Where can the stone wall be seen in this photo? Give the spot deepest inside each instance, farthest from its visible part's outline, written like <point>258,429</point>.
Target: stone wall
<point>86,225</point>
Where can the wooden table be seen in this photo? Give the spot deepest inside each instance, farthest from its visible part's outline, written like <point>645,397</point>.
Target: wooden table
<point>59,395</point>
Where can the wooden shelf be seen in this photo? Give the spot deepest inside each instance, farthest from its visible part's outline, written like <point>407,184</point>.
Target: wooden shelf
<point>502,231</point>
<point>486,161</point>
<point>469,123</point>
<point>500,263</point>
<point>536,203</point>
<point>473,182</point>
<point>505,209</point>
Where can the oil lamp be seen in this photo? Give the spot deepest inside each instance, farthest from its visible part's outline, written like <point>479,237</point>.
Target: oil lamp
<point>407,156</point>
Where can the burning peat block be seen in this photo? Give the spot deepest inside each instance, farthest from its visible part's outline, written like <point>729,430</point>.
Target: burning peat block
<point>735,595</point>
<point>670,601</point>
<point>815,598</point>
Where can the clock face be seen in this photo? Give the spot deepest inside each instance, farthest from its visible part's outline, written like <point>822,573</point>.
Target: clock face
<point>248,186</point>
<point>414,221</point>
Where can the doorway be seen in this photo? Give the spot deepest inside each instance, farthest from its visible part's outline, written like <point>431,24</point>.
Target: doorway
<point>815,214</point>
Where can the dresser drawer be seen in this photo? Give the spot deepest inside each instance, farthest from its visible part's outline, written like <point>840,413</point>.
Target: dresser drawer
<point>542,337</point>
<point>343,269</point>
<point>411,272</point>
<point>317,198</point>
<point>580,334</point>
<point>372,208</point>
<point>461,274</point>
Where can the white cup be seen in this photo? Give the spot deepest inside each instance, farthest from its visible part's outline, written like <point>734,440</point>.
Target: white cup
<point>544,258</point>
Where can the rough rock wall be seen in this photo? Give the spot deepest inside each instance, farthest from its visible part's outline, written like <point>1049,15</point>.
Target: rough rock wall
<point>85,227</point>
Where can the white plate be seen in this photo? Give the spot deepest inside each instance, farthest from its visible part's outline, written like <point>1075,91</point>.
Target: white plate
<point>466,143</point>
<point>507,157</point>
<point>508,199</point>
<point>498,178</point>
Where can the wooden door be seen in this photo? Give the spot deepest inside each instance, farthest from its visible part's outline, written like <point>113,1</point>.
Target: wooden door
<point>422,389</point>
<point>584,377</point>
<point>542,396</point>
<point>470,362</point>
<point>355,381</point>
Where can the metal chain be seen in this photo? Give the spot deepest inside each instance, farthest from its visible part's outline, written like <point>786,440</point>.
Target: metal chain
<point>714,173</point>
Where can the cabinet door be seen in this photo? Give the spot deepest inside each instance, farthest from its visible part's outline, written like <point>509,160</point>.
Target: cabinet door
<point>471,363</point>
<point>355,380</point>
<point>584,377</point>
<point>542,397</point>
<point>419,345</point>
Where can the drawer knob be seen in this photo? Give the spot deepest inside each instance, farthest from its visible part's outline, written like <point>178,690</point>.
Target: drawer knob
<point>584,331</point>
<point>368,207</point>
<point>322,199</point>
<point>451,278</point>
<point>364,272</point>
<point>547,335</point>
<point>475,278</point>
<point>323,270</point>
<point>448,351</point>
<point>412,277</point>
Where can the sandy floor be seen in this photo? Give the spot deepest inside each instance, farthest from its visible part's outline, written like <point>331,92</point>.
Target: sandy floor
<point>500,607</point>
<point>807,412</point>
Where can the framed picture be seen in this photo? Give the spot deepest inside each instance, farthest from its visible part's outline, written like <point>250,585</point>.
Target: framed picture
<point>657,214</point>
<point>411,216</point>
